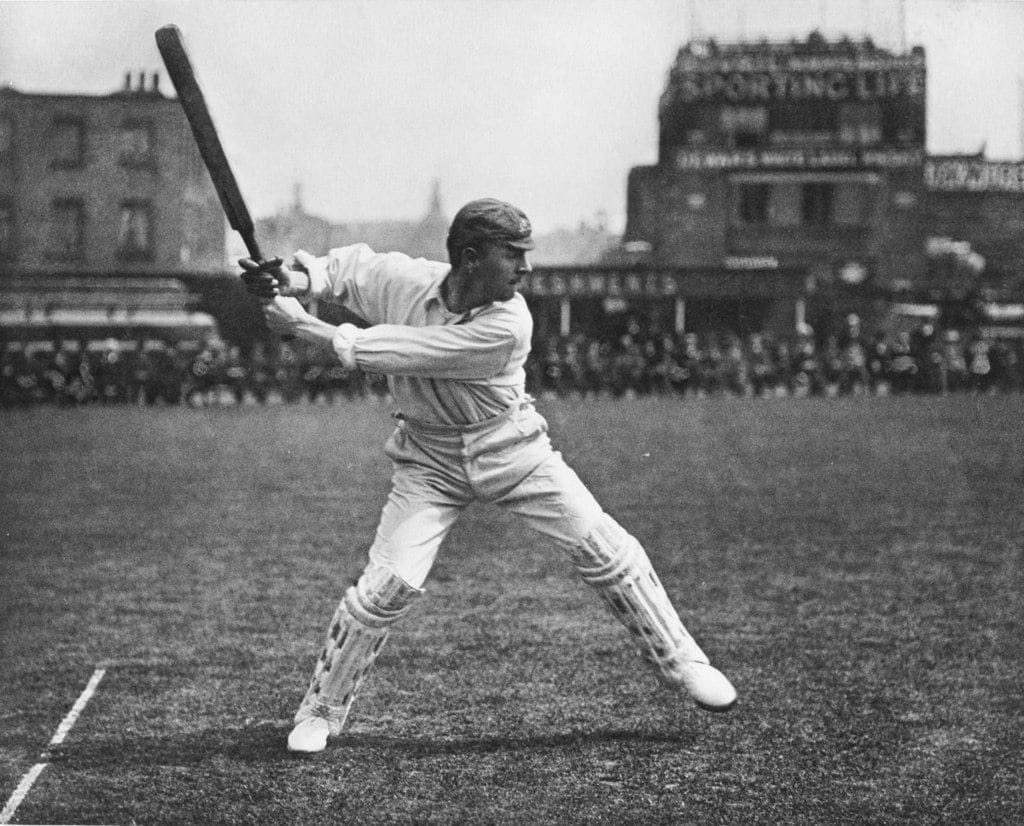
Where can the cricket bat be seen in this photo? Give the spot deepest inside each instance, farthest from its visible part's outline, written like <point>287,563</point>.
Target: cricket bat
<point>190,94</point>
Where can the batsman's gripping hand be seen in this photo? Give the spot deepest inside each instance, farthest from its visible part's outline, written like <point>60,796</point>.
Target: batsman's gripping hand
<point>268,279</point>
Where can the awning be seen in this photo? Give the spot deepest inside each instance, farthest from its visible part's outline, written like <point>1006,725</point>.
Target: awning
<point>102,319</point>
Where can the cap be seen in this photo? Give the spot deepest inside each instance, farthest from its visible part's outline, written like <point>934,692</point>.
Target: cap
<point>488,219</point>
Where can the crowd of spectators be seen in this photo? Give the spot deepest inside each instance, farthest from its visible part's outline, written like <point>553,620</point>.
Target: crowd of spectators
<point>152,372</point>
<point>211,373</point>
<point>759,365</point>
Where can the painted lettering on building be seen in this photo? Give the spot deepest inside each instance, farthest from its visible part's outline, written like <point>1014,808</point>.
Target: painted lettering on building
<point>973,175</point>
<point>838,158</point>
<point>788,85</point>
<point>609,283</point>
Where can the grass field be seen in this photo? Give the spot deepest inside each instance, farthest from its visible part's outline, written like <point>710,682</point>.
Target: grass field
<point>854,565</point>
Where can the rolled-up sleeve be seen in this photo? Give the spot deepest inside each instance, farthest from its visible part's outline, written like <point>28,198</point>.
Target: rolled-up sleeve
<point>477,350</point>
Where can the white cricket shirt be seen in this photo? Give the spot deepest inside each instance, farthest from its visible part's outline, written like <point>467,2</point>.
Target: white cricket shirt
<point>442,368</point>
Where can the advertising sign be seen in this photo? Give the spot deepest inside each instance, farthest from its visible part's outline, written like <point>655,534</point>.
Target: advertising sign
<point>973,175</point>
<point>762,77</point>
<point>814,158</point>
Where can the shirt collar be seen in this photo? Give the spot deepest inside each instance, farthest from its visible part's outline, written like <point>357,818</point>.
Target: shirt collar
<point>434,294</point>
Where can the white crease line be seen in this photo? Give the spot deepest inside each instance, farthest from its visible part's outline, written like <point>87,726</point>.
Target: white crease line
<point>62,731</point>
<point>20,792</point>
<point>76,709</point>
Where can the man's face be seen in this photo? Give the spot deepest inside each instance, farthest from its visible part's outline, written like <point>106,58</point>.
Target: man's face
<point>497,272</point>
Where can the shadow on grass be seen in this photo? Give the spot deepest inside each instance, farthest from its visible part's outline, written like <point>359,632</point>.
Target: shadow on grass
<point>265,743</point>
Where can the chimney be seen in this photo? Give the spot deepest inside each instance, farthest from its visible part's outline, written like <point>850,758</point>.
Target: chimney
<point>127,81</point>
<point>156,83</point>
<point>142,82</point>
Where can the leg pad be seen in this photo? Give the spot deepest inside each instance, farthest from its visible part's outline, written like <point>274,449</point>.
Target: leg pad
<point>358,631</point>
<point>612,561</point>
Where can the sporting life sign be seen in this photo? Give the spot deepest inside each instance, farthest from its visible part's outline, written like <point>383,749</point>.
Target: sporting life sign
<point>777,76</point>
<point>760,87</point>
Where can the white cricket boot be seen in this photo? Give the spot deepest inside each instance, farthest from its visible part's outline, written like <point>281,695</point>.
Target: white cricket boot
<point>709,687</point>
<point>309,736</point>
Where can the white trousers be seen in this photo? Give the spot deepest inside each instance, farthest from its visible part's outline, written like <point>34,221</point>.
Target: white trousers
<point>440,470</point>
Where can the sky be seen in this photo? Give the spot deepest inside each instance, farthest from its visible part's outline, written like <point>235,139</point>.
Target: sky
<point>546,103</point>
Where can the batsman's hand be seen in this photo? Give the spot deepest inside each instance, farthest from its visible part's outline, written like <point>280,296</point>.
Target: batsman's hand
<point>268,279</point>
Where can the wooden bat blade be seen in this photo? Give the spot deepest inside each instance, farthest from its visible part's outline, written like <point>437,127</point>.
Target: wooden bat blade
<point>190,94</point>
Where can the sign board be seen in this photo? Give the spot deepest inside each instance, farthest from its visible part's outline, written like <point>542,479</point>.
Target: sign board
<point>814,158</point>
<point>756,76</point>
<point>973,175</point>
<point>568,282</point>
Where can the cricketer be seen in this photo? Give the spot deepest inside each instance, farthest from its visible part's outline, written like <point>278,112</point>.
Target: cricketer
<point>453,340</point>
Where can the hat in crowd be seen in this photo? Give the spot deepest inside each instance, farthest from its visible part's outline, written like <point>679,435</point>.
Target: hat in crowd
<point>488,219</point>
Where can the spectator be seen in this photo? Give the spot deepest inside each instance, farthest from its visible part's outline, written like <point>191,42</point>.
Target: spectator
<point>627,368</point>
<point>552,380</point>
<point>854,377</point>
<point>111,373</point>
<point>761,371</point>
<point>979,366</point>
<point>879,365</point>
<point>784,373</point>
<point>261,375</point>
<point>903,366</point>
<point>596,365</point>
<point>953,364</point>
<point>236,374</point>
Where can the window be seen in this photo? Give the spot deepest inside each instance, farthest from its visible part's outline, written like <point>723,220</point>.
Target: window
<point>752,203</point>
<point>802,124</point>
<point>744,126</point>
<point>804,200</point>
<point>67,230</point>
<point>816,204</point>
<point>860,124</point>
<point>68,143</point>
<point>6,230</point>
<point>852,203</point>
<point>135,231</point>
<point>137,144</point>
<point>786,205</point>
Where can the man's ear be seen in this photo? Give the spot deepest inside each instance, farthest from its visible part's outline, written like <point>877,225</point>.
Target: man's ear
<point>470,255</point>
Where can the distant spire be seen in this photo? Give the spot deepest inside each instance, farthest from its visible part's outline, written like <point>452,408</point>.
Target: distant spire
<point>428,237</point>
<point>435,198</point>
<point>297,197</point>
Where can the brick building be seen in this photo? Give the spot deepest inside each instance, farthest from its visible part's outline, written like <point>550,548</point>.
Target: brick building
<point>804,157</point>
<point>108,184</point>
<point>107,192</point>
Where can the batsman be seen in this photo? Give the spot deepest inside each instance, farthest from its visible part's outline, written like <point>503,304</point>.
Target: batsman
<point>453,340</point>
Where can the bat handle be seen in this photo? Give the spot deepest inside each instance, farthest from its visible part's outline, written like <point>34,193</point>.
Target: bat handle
<point>249,237</point>
<point>257,255</point>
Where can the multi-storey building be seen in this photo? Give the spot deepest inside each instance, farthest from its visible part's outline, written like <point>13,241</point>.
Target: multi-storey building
<point>108,184</point>
<point>108,194</point>
<point>804,156</point>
